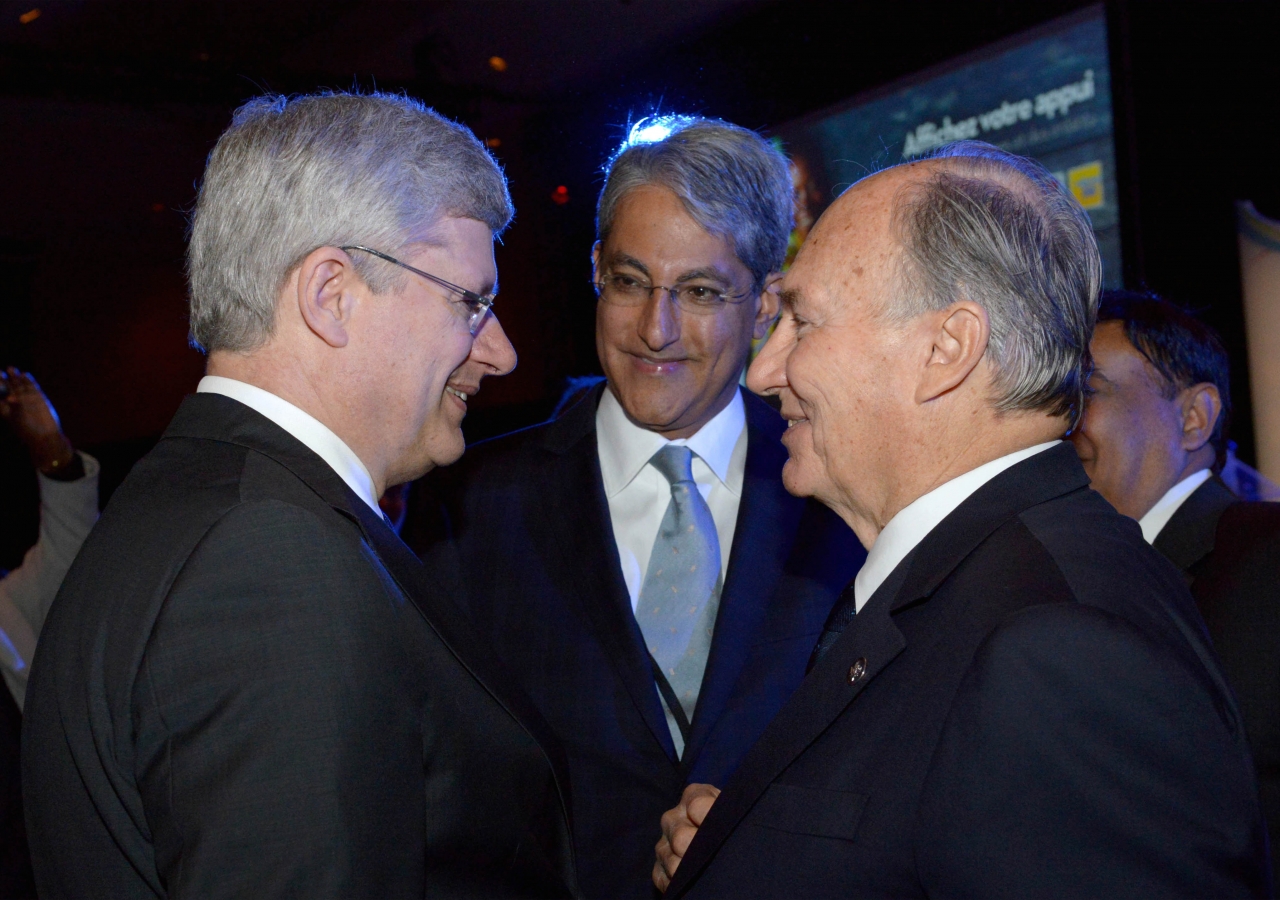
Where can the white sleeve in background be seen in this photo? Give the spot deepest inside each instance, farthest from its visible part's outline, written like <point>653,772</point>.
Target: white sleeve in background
<point>68,510</point>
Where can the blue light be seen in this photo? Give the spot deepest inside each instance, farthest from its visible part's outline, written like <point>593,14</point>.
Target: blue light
<point>652,129</point>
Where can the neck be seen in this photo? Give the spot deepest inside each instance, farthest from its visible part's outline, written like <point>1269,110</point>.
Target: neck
<point>937,457</point>
<point>291,378</point>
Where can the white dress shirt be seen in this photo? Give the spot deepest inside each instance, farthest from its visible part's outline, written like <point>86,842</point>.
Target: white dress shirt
<point>638,494</point>
<point>1159,515</point>
<point>914,522</point>
<point>313,433</point>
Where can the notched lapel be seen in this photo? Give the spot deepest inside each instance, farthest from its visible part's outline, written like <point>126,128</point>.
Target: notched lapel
<point>868,645</point>
<point>762,540</point>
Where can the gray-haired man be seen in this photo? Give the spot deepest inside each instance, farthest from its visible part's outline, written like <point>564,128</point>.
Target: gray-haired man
<point>248,686</point>
<point>637,561</point>
<point>1018,698</point>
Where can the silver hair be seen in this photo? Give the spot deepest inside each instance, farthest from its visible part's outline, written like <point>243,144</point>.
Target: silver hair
<point>291,175</point>
<point>732,182</point>
<point>1000,230</point>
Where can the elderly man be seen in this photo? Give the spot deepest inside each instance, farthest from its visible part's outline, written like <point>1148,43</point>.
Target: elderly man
<point>248,686</point>
<point>637,561</point>
<point>1150,442</point>
<point>1018,699</point>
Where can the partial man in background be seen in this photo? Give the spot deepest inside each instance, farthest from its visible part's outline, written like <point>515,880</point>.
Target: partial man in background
<point>1017,698</point>
<point>637,561</point>
<point>248,686</point>
<point>1152,441</point>
<point>68,482</point>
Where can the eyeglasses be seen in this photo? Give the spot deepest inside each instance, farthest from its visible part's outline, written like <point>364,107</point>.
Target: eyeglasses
<point>478,306</point>
<point>699,299</point>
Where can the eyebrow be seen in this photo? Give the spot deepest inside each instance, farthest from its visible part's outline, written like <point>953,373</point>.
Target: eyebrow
<point>710,273</point>
<point>790,299</point>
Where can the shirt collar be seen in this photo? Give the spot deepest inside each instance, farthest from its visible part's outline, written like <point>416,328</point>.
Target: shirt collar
<point>625,447</point>
<point>309,430</point>
<point>914,522</point>
<point>1159,515</point>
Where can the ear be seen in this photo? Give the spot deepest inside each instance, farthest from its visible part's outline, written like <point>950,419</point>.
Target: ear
<point>326,294</point>
<point>1201,405</point>
<point>595,261</point>
<point>959,336</point>
<point>770,306</point>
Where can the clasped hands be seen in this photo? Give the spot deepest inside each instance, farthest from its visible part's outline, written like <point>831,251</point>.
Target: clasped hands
<point>679,825</point>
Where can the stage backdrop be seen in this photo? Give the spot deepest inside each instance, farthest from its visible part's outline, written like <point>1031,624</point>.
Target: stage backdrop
<point>1045,94</point>
<point>1260,281</point>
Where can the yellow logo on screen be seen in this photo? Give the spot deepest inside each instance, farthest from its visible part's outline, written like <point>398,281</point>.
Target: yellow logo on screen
<point>1085,184</point>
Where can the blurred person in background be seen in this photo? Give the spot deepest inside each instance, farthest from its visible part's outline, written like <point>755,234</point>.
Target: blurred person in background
<point>637,561</point>
<point>68,481</point>
<point>1152,442</point>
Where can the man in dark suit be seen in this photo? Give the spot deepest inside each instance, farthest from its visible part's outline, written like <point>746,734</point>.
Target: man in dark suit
<point>248,686</point>
<point>1017,697</point>
<point>661,485</point>
<point>1151,442</point>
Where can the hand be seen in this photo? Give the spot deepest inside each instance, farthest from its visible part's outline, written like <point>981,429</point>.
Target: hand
<point>32,416</point>
<point>679,825</point>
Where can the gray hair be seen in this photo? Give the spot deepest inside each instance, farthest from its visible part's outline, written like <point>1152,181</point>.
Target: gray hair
<point>1000,230</point>
<point>732,182</point>
<point>294,174</point>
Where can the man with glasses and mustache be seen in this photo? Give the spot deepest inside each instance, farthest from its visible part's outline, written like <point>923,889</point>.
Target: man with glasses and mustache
<point>637,561</point>
<point>248,686</point>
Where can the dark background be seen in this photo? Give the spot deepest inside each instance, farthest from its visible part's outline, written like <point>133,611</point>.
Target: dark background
<point>109,107</point>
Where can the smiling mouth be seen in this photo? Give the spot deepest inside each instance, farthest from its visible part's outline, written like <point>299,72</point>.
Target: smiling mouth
<point>457,393</point>
<point>793,422</point>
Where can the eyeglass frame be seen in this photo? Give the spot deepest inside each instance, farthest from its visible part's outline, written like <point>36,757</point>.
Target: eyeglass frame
<point>672,292</point>
<point>479,305</point>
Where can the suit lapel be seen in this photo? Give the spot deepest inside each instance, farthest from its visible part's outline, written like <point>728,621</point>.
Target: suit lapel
<point>767,520</point>
<point>579,537</point>
<point>1188,536</point>
<point>875,640</point>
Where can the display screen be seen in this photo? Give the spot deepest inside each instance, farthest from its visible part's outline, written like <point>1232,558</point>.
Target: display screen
<point>1044,94</point>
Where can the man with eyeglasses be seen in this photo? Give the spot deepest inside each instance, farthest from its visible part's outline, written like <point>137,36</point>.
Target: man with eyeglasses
<point>637,561</point>
<point>248,686</point>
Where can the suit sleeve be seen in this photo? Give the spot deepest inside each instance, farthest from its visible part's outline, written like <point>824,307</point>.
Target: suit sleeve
<point>279,752</point>
<point>1081,759</point>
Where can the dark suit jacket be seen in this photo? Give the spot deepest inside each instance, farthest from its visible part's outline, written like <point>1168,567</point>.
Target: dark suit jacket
<point>530,524</point>
<point>249,687</point>
<point>1027,707</point>
<point>1229,551</point>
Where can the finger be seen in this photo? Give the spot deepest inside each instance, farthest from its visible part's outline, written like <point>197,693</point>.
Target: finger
<point>697,800</point>
<point>673,819</point>
<point>664,868</point>
<point>681,840</point>
<point>660,878</point>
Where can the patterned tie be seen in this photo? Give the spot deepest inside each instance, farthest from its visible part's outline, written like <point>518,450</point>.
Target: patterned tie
<point>681,590</point>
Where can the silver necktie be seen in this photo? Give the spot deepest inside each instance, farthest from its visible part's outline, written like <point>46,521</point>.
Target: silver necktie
<point>681,589</point>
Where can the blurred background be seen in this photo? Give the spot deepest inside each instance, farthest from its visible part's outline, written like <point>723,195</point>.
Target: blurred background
<point>108,109</point>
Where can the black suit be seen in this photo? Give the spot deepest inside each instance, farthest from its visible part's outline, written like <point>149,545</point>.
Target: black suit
<point>530,524</point>
<point>249,687</point>
<point>1027,707</point>
<point>1229,551</point>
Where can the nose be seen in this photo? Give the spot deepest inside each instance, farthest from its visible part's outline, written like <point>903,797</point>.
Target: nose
<point>768,372</point>
<point>659,324</point>
<point>492,349</point>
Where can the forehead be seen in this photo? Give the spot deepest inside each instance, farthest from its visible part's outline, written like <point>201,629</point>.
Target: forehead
<point>652,224</point>
<point>852,251</point>
<point>1116,359</point>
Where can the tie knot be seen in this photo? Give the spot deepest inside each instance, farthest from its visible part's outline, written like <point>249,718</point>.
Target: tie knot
<point>674,462</point>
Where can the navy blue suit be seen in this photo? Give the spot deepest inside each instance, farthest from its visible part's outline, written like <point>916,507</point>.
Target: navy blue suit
<point>525,519</point>
<point>1027,707</point>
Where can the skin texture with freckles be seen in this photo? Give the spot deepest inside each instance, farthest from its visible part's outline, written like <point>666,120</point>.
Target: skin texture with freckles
<point>374,367</point>
<point>671,370</point>
<point>1136,441</point>
<point>884,411</point>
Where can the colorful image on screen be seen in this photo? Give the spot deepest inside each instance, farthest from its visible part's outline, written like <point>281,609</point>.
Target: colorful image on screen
<point>1044,94</point>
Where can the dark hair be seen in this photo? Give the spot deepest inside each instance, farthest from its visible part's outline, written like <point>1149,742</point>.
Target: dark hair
<point>1184,350</point>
